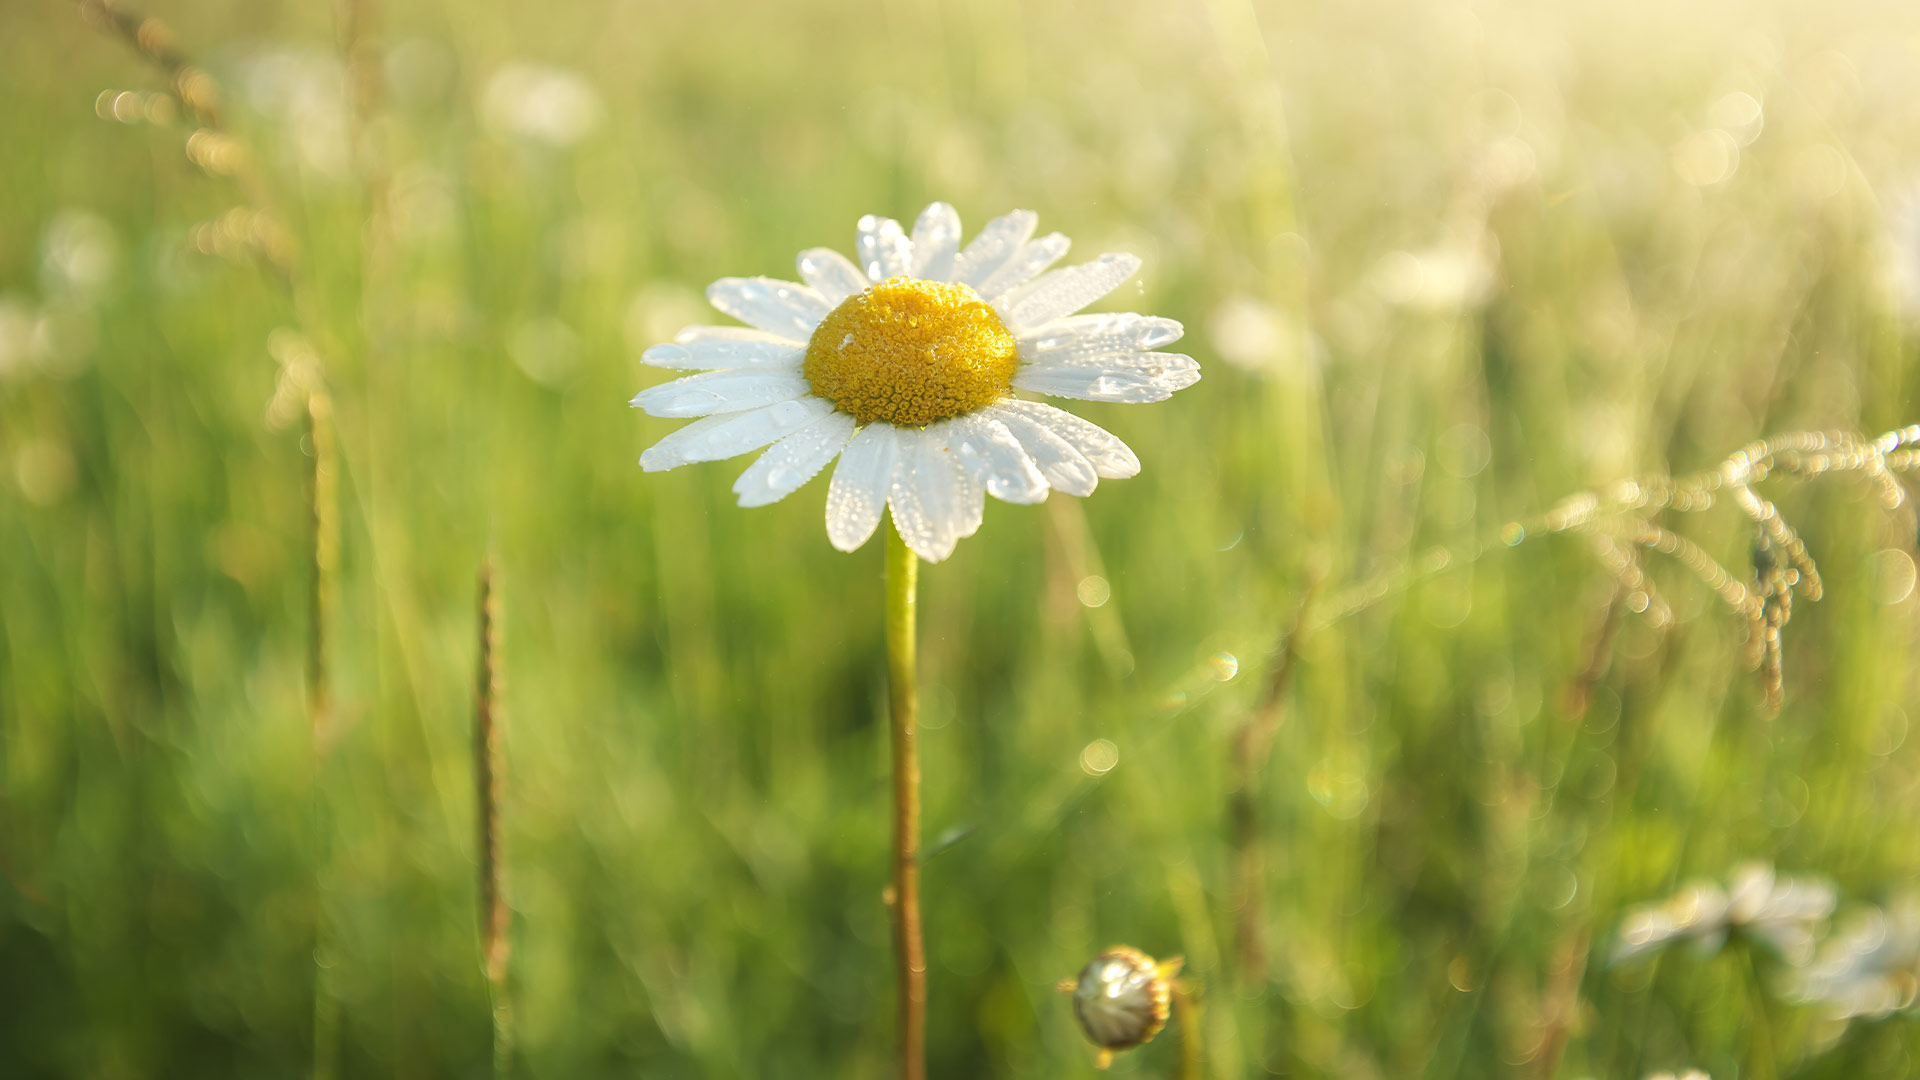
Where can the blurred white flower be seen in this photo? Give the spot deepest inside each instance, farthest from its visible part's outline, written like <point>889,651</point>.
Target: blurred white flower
<point>904,366</point>
<point>543,104</point>
<point>1253,335</point>
<point>79,255</point>
<point>1690,1074</point>
<point>306,93</point>
<point>1869,968</point>
<point>1781,913</point>
<point>1452,276</point>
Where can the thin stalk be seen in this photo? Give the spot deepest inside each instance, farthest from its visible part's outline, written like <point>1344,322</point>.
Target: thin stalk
<point>904,895</point>
<point>1762,1059</point>
<point>489,777</point>
<point>324,517</point>
<point>1186,1013</point>
<point>1251,745</point>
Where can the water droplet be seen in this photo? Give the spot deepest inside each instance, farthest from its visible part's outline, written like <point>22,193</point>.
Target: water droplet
<point>687,403</point>
<point>1160,333</point>
<point>1223,666</point>
<point>1099,757</point>
<point>1894,574</point>
<point>1094,590</point>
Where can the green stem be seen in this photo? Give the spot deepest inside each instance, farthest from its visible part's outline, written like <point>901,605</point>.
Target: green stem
<point>1763,1060</point>
<point>1186,1013</point>
<point>904,895</point>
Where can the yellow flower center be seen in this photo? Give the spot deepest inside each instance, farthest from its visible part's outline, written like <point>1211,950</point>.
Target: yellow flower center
<point>911,352</point>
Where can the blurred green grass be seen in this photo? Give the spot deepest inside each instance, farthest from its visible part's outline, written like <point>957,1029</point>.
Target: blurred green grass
<point>1443,264</point>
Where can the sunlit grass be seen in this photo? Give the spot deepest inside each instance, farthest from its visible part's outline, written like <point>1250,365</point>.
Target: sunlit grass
<point>1443,267</point>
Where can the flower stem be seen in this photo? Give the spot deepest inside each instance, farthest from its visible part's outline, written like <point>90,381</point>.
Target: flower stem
<point>904,895</point>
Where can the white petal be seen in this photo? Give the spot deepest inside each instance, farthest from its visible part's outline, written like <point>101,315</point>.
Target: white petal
<point>883,248</point>
<point>1172,367</point>
<point>1064,468</point>
<point>692,334</point>
<point>1066,291</point>
<point>706,348</point>
<point>722,392</point>
<point>1128,378</point>
<point>831,274</point>
<point>973,504</point>
<point>1109,456</point>
<point>1095,383</point>
<point>861,482</point>
<point>994,458</point>
<point>993,246</point>
<point>933,498</point>
<point>778,307</point>
<point>1032,258</point>
<point>1098,335</point>
<point>794,460</point>
<point>732,434</point>
<point>936,242</point>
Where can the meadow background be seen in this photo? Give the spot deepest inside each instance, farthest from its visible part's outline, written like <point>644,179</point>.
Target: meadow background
<point>1443,265</point>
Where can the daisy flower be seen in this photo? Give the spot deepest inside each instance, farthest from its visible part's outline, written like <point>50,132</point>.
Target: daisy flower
<point>1782,913</point>
<point>904,366</point>
<point>1870,968</point>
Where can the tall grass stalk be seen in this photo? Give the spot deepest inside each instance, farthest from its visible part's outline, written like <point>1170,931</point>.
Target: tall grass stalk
<point>212,146</point>
<point>1251,745</point>
<point>1618,523</point>
<point>1187,1016</point>
<point>324,518</point>
<point>489,781</point>
<point>219,152</point>
<point>903,897</point>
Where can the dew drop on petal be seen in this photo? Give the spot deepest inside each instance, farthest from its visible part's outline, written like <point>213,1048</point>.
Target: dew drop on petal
<point>1160,334</point>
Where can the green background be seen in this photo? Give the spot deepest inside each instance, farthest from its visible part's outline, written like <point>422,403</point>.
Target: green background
<point>1443,264</point>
